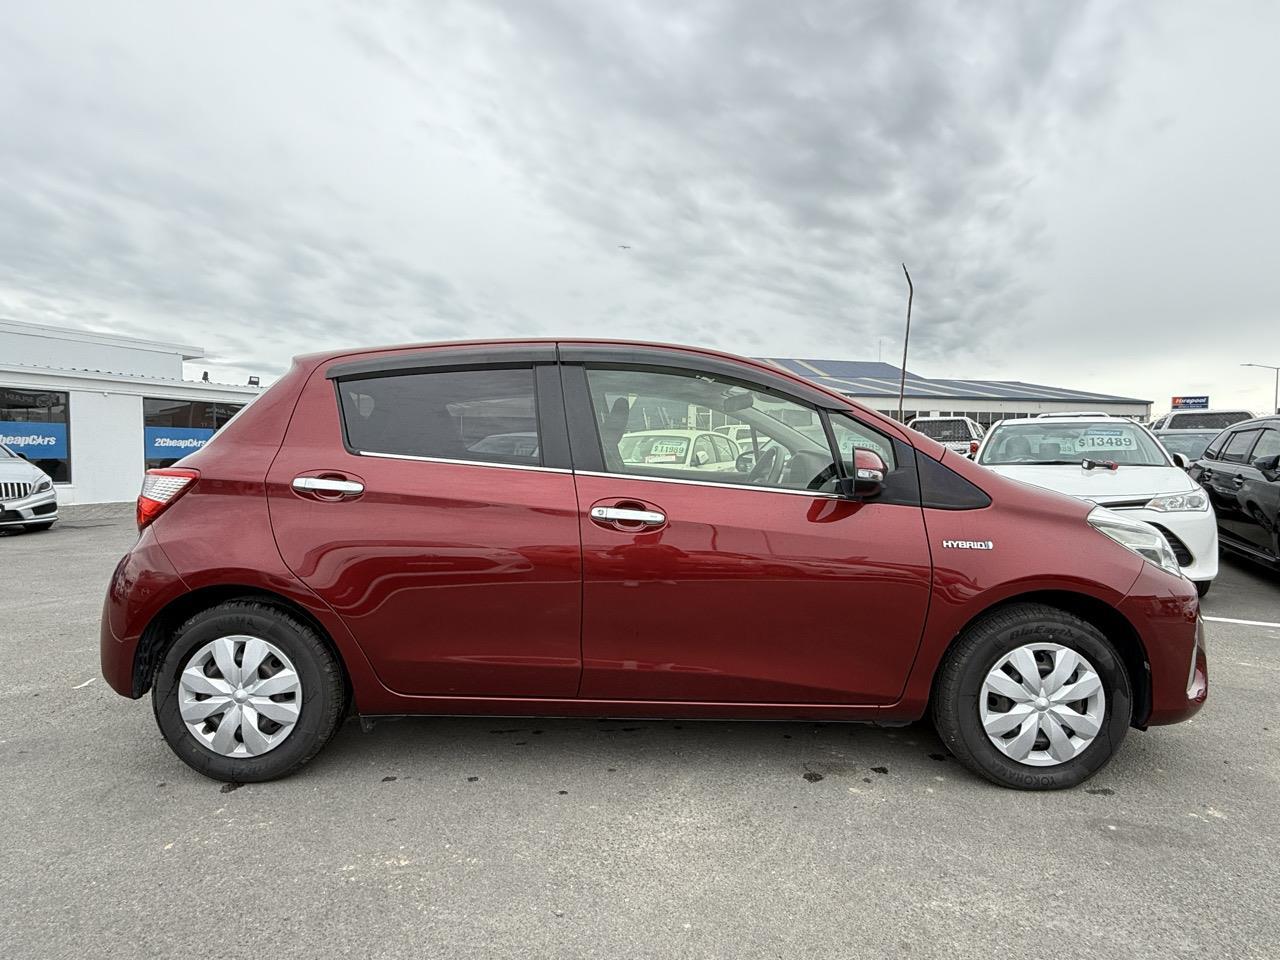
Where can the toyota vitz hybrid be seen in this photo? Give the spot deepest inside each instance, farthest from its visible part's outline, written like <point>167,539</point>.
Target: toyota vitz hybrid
<point>352,542</point>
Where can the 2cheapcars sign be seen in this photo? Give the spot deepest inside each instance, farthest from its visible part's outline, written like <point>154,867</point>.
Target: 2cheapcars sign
<point>173,443</point>
<point>39,441</point>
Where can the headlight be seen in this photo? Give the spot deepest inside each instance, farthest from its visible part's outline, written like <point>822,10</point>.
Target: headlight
<point>43,484</point>
<point>1142,538</point>
<point>1175,502</point>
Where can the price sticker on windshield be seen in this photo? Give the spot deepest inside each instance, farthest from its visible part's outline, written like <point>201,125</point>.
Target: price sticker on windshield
<point>1105,440</point>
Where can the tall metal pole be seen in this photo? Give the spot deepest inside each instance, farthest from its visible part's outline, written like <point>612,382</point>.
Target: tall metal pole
<point>1275,397</point>
<point>902,382</point>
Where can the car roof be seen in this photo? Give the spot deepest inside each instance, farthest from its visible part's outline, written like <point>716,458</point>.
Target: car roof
<point>1064,421</point>
<point>956,417</point>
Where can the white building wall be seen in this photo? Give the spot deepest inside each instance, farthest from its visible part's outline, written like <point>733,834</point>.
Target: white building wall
<point>106,448</point>
<point>34,345</point>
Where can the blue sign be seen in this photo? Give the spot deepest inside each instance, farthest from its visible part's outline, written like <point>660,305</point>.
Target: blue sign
<point>39,441</point>
<point>1190,403</point>
<point>173,443</point>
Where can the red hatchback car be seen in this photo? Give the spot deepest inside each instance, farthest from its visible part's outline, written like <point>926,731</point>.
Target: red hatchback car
<point>475,528</point>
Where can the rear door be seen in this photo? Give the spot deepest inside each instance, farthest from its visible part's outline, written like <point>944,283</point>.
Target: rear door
<point>753,586</point>
<point>408,496</point>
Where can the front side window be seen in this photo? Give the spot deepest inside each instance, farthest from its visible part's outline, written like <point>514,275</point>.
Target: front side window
<point>1050,441</point>
<point>485,415</point>
<point>1237,448</point>
<point>648,423</point>
<point>1268,445</point>
<point>34,423</point>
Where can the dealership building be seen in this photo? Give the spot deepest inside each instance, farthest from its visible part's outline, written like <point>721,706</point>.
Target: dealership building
<point>876,385</point>
<point>94,410</point>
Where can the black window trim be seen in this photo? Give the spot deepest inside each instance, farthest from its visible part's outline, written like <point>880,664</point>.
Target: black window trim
<point>548,400</point>
<point>443,359</point>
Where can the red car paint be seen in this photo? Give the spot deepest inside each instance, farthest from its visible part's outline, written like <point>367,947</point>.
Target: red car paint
<point>457,588</point>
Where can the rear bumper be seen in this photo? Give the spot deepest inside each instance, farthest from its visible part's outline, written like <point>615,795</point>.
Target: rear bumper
<point>36,508</point>
<point>1166,613</point>
<point>144,582</point>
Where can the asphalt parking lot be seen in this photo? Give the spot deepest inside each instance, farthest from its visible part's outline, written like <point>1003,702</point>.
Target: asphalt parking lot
<point>566,838</point>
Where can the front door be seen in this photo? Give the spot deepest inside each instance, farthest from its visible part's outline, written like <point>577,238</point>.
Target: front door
<point>444,530</point>
<point>752,585</point>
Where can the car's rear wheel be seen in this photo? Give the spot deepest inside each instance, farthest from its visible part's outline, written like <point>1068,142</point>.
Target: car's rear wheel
<point>1032,697</point>
<point>247,692</point>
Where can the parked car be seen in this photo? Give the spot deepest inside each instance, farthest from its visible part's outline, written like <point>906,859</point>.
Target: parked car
<point>1117,464</point>
<point>343,546</point>
<point>701,450</point>
<point>27,497</point>
<point>1240,472</point>
<point>1185,446</point>
<point>958,434</point>
<point>1199,420</point>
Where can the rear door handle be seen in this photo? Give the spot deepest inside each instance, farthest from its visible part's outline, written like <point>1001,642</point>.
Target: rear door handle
<point>650,517</point>
<point>325,485</point>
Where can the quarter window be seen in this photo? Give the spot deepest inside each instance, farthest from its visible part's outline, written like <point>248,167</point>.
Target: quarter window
<point>486,415</point>
<point>1237,448</point>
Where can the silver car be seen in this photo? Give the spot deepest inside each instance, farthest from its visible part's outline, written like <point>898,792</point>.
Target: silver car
<point>27,497</point>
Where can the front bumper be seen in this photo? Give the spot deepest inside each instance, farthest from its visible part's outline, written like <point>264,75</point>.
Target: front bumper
<point>1194,538</point>
<point>1165,611</point>
<point>36,508</point>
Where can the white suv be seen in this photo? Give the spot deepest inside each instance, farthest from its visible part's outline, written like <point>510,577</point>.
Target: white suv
<point>958,434</point>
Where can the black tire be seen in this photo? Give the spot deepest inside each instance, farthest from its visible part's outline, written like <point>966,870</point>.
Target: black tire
<point>1202,586</point>
<point>960,679</point>
<point>317,667</point>
<point>37,527</point>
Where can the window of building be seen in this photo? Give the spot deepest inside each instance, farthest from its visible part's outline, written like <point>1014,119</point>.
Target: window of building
<point>487,416</point>
<point>173,428</point>
<point>34,423</point>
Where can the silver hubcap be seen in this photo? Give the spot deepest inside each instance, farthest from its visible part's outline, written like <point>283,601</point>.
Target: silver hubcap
<point>1042,704</point>
<point>240,696</point>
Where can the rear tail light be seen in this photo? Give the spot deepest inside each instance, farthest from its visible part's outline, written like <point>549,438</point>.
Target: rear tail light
<point>160,488</point>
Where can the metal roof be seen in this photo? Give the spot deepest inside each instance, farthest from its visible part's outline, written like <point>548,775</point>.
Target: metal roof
<point>873,379</point>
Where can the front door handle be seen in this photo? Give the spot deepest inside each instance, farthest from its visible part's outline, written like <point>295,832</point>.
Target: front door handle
<point>325,485</point>
<point>1238,481</point>
<point>648,517</point>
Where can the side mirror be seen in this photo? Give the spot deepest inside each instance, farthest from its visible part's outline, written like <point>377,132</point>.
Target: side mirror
<point>868,473</point>
<point>1268,466</point>
<point>1181,461</point>
<point>701,458</point>
<point>745,462</point>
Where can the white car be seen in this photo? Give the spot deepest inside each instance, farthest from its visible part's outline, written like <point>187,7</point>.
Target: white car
<point>681,449</point>
<point>1116,464</point>
<point>27,497</point>
<point>958,434</point>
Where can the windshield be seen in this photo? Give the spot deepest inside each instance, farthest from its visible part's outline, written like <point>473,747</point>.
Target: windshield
<point>1050,441</point>
<point>650,448</point>
<point>942,430</point>
<point>1190,445</point>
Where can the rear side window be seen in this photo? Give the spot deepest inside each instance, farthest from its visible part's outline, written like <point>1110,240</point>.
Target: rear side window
<point>1237,448</point>
<point>487,415</point>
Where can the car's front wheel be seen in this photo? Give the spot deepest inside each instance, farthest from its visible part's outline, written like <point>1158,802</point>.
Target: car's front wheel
<point>247,692</point>
<point>1202,587</point>
<point>1032,697</point>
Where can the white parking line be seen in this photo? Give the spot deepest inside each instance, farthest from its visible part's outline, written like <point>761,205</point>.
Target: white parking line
<point>1247,623</point>
<point>85,684</point>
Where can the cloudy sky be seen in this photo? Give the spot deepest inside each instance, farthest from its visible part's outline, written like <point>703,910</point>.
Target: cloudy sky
<point>1086,194</point>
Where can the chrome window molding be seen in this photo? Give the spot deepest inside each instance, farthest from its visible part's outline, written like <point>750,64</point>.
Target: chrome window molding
<point>818,494</point>
<point>463,463</point>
